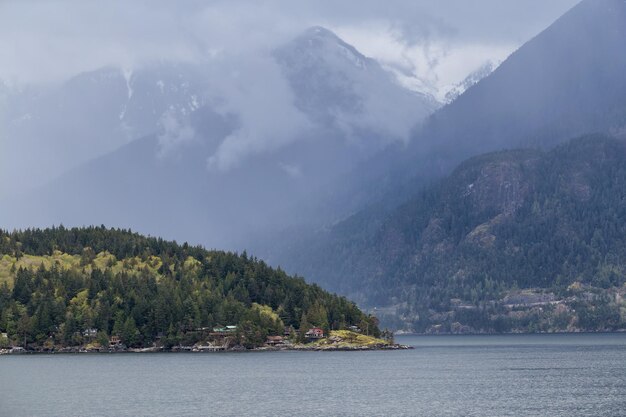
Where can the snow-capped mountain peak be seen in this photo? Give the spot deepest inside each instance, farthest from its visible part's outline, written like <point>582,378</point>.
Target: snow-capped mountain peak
<point>336,85</point>
<point>473,78</point>
<point>319,41</point>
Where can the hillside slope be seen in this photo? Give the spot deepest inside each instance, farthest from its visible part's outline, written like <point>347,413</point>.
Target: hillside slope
<point>526,219</point>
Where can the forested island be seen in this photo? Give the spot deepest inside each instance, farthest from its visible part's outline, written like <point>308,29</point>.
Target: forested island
<point>98,289</point>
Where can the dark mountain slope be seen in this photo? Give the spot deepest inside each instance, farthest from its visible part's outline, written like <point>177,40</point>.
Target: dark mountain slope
<point>567,81</point>
<point>505,220</point>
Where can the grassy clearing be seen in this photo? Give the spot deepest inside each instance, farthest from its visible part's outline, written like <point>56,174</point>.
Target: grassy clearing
<point>10,264</point>
<point>348,339</point>
<point>102,261</point>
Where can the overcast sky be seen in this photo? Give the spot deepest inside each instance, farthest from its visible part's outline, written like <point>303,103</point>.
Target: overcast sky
<point>439,41</point>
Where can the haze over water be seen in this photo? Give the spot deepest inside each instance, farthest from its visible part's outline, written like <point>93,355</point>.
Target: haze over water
<point>532,375</point>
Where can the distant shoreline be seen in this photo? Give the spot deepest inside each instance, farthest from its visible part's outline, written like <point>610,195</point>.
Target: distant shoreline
<point>620,331</point>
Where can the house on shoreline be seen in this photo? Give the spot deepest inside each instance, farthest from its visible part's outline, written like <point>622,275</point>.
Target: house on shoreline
<point>115,342</point>
<point>275,340</point>
<point>222,331</point>
<point>314,333</point>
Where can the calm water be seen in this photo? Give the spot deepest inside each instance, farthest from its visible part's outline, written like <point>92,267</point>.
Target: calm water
<point>542,375</point>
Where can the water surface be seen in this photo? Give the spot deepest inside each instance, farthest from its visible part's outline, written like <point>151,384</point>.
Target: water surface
<point>537,375</point>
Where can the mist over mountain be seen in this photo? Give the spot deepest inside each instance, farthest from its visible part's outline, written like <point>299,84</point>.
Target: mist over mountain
<point>91,114</point>
<point>339,87</point>
<point>166,141</point>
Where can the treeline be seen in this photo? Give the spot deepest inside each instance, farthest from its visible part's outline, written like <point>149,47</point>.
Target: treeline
<point>142,289</point>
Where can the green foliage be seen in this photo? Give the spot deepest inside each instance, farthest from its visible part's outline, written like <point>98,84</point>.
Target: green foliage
<point>142,289</point>
<point>304,327</point>
<point>4,342</point>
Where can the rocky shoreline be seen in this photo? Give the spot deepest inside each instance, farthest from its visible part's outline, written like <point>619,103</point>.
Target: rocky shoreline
<point>335,348</point>
<point>337,340</point>
<point>201,349</point>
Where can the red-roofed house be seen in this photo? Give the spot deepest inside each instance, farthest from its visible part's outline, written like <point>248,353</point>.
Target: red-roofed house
<point>314,333</point>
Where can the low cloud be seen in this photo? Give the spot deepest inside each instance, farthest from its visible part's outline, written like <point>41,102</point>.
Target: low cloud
<point>293,171</point>
<point>253,88</point>
<point>429,44</point>
<point>51,39</point>
<point>174,132</point>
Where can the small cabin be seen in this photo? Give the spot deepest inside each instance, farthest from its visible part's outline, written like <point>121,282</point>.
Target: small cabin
<point>274,340</point>
<point>91,333</point>
<point>314,333</point>
<point>202,329</point>
<point>114,341</point>
<point>224,330</point>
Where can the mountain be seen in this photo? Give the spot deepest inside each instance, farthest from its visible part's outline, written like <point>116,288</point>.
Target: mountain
<point>164,182</point>
<point>69,287</point>
<point>57,127</point>
<point>337,86</point>
<point>469,81</point>
<point>551,223</point>
<point>566,82</point>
